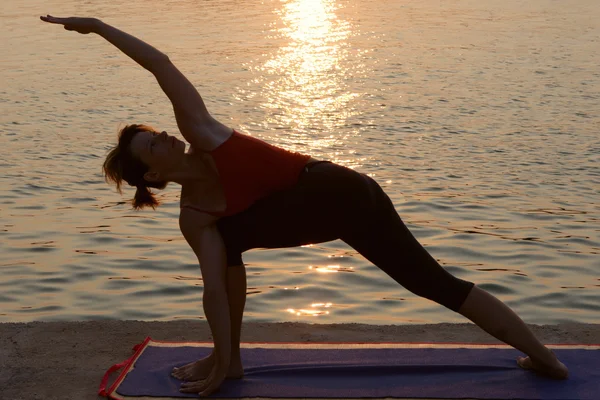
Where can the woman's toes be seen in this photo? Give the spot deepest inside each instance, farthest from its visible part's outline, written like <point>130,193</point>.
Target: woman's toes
<point>557,371</point>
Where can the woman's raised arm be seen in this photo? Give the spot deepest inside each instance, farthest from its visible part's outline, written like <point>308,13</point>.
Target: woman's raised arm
<point>194,121</point>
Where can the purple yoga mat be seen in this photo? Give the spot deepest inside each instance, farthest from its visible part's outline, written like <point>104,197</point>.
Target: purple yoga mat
<point>367,371</point>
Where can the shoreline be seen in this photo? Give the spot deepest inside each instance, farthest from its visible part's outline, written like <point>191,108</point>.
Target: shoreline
<point>38,360</point>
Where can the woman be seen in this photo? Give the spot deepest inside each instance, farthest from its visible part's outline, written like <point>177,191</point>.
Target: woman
<point>240,193</point>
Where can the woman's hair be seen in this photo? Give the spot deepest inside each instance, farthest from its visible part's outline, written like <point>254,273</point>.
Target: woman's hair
<point>121,165</point>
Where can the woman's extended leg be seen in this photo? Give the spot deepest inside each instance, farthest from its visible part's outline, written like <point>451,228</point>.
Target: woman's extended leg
<point>382,237</point>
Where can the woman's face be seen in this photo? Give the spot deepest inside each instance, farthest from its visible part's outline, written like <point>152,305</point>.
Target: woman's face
<point>159,151</point>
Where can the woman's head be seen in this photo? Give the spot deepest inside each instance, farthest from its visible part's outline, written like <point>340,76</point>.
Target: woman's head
<point>143,158</point>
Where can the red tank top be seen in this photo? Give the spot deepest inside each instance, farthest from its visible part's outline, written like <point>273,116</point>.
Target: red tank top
<point>250,169</point>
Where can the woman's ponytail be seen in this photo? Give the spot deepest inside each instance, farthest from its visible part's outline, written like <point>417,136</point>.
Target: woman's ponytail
<point>144,198</point>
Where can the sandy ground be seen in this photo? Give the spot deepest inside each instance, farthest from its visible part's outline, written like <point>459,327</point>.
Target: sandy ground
<point>39,360</point>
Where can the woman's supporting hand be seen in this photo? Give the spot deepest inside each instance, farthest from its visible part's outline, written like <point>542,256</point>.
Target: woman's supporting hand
<point>81,25</point>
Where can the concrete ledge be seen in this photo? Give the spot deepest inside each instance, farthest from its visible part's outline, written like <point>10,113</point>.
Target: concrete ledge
<point>39,360</point>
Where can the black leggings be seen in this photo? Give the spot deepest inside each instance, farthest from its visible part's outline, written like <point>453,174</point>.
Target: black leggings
<point>332,202</point>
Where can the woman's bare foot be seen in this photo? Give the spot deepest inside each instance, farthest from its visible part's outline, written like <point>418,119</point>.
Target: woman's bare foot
<point>201,369</point>
<point>194,371</point>
<point>552,368</point>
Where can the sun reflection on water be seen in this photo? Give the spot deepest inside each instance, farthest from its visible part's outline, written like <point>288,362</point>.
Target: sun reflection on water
<point>328,269</point>
<point>315,312</point>
<point>304,86</point>
<point>318,308</point>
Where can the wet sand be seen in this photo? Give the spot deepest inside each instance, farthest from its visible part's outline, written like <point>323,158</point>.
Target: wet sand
<point>39,360</point>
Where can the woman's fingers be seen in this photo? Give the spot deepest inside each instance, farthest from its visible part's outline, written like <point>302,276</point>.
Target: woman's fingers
<point>54,20</point>
<point>50,19</point>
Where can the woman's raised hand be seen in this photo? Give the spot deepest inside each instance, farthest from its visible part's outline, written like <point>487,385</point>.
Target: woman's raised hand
<point>81,25</point>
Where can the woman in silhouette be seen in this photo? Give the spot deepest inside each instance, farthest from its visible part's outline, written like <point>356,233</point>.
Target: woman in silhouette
<point>240,193</point>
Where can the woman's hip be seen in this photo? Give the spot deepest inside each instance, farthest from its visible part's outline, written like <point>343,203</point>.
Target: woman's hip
<point>326,202</point>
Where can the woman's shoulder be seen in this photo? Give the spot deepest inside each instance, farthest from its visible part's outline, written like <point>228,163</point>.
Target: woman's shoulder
<point>218,140</point>
<point>205,136</point>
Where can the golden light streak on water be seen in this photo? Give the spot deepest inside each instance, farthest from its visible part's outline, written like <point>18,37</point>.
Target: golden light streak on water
<point>312,313</point>
<point>328,269</point>
<point>307,88</point>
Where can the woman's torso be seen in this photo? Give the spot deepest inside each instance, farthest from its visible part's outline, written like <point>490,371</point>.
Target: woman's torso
<point>208,194</point>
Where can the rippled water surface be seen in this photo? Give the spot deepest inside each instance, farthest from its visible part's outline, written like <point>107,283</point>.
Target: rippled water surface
<point>479,118</point>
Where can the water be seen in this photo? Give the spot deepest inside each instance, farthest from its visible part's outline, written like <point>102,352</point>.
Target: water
<point>479,118</point>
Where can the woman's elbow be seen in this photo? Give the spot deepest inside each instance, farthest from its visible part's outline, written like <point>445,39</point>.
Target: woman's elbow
<point>158,62</point>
